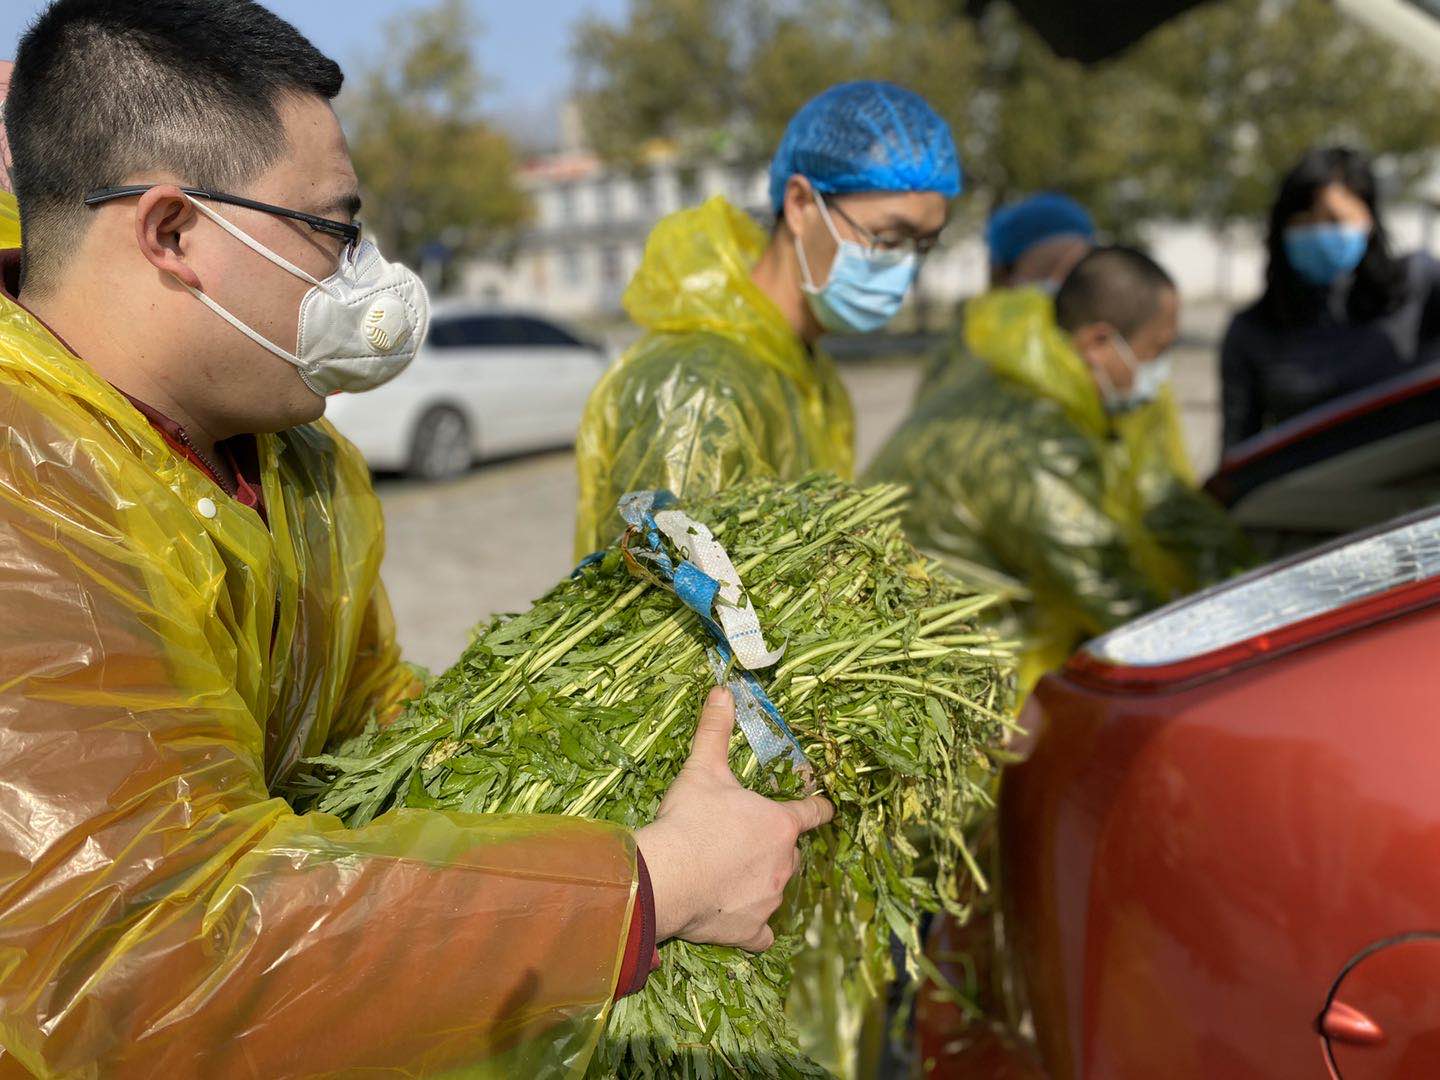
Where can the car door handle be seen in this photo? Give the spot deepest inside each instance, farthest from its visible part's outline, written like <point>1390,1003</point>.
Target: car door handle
<point>1347,1024</point>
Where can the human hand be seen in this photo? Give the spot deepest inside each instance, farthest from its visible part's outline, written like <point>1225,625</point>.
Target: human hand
<point>720,855</point>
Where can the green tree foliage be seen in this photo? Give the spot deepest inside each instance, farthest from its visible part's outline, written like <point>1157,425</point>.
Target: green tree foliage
<point>726,76</point>
<point>1238,90</point>
<point>1039,121</point>
<point>670,72</point>
<point>1199,120</point>
<point>431,167</point>
<point>796,56</point>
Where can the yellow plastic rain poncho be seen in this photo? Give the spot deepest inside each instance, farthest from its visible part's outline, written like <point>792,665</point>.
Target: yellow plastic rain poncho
<point>164,659</point>
<point>719,389</point>
<point>1021,477</point>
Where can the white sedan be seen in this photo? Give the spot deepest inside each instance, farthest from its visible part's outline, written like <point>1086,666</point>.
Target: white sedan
<point>485,384</point>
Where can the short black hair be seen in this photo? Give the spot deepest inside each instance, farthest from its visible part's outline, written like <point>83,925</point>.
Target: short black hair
<point>104,89</point>
<point>1115,284</point>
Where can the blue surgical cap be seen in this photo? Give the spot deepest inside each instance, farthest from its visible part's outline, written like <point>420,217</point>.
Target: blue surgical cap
<point>1016,228</point>
<point>866,136</point>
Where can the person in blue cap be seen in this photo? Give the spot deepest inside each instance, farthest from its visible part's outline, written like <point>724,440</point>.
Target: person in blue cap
<point>1038,241</point>
<point>1033,244</point>
<point>728,381</point>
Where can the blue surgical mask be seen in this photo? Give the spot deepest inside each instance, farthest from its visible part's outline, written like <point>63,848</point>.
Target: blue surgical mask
<point>864,290</point>
<point>1147,380</point>
<point>1322,253</point>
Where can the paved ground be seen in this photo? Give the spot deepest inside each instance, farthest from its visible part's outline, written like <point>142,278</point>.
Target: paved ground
<point>495,540</point>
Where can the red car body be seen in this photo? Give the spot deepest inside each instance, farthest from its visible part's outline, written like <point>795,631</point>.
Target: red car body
<point>1189,870</point>
<point>1225,863</point>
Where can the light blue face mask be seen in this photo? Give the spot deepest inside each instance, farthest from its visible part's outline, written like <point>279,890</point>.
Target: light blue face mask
<point>1146,380</point>
<point>864,291</point>
<point>1322,253</point>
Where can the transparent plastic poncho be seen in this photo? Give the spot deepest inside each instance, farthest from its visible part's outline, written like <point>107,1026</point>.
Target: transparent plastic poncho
<point>165,659</point>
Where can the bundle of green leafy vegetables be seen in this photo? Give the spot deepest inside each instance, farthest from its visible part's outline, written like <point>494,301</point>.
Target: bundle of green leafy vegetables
<point>586,705</point>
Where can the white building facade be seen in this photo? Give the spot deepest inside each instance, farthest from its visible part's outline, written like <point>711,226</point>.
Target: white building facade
<point>589,230</point>
<point>591,222</point>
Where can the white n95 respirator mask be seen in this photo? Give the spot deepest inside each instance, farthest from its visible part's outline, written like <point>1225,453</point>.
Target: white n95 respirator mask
<point>359,327</point>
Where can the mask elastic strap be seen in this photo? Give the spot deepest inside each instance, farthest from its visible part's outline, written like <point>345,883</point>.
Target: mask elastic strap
<point>280,261</point>
<point>252,334</point>
<point>807,279</point>
<point>257,247</point>
<point>1131,360</point>
<point>1107,388</point>
<point>825,217</point>
<point>1108,393</point>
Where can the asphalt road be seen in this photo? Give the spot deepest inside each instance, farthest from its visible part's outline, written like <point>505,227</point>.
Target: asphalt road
<point>494,541</point>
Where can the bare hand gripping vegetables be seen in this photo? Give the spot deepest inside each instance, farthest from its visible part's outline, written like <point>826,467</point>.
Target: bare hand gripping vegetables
<point>586,705</point>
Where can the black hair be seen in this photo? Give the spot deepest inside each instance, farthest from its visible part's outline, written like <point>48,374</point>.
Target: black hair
<point>1115,284</point>
<point>1380,281</point>
<point>105,89</point>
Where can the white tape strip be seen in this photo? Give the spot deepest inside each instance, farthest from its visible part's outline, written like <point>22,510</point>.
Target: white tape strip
<point>732,607</point>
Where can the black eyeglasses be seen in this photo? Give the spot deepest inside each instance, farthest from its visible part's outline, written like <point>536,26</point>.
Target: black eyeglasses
<point>895,245</point>
<point>345,230</point>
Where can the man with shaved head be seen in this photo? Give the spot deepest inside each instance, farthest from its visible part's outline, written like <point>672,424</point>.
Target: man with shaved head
<point>1047,461</point>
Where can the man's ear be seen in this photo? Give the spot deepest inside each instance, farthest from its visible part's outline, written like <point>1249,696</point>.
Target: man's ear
<point>1090,340</point>
<point>799,202</point>
<point>163,219</point>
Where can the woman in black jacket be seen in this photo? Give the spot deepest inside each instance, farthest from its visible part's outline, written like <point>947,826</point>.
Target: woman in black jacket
<point>1339,311</point>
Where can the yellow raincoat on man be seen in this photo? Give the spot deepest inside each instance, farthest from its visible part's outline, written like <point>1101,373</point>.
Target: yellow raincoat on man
<point>1021,477</point>
<point>719,389</point>
<point>165,659</point>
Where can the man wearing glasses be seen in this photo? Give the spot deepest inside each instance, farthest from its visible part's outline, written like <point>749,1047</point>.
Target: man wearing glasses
<point>727,382</point>
<point>189,586</point>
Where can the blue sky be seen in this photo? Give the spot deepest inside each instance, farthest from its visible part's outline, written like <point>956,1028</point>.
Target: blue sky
<point>525,49</point>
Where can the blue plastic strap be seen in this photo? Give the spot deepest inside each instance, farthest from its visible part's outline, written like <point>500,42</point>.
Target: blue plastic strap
<point>765,729</point>
<point>695,588</point>
<point>594,558</point>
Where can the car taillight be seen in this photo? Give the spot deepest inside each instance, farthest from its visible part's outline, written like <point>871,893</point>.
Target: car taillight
<point>1358,580</point>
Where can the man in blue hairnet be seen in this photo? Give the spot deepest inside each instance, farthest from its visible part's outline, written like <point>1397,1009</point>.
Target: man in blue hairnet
<point>1033,243</point>
<point>1037,241</point>
<point>727,382</point>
